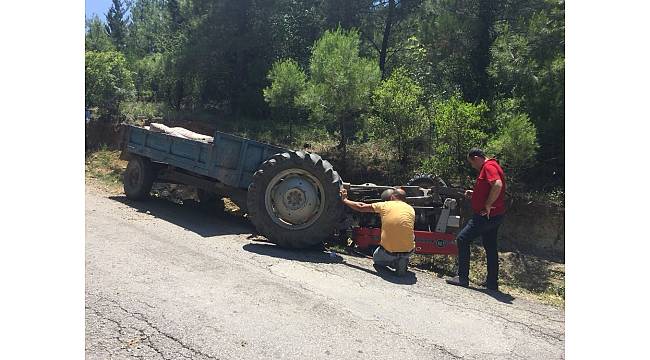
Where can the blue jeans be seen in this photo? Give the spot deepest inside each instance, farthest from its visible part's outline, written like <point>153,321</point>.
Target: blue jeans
<point>384,258</point>
<point>487,229</point>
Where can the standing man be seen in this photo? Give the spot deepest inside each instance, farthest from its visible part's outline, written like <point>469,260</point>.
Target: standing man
<point>489,208</point>
<point>397,223</point>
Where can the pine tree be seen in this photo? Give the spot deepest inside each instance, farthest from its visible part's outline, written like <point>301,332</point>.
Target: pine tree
<point>175,14</point>
<point>116,24</point>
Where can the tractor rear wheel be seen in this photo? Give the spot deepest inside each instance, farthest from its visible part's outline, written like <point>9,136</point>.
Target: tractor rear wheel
<point>294,199</point>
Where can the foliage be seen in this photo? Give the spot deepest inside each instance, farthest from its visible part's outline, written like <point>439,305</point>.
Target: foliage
<point>458,128</point>
<point>134,112</point>
<point>211,59</point>
<point>288,82</point>
<point>149,77</point>
<point>116,24</point>
<point>341,82</point>
<point>527,63</point>
<point>515,145</point>
<point>149,25</point>
<point>398,117</point>
<point>108,81</point>
<point>449,31</point>
<point>97,38</point>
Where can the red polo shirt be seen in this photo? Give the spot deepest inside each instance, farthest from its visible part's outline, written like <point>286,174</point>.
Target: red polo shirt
<point>491,171</point>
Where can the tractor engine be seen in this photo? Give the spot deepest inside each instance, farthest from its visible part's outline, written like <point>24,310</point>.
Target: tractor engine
<point>437,214</point>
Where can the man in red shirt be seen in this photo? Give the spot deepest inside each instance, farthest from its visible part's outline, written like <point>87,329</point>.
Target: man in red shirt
<point>488,207</point>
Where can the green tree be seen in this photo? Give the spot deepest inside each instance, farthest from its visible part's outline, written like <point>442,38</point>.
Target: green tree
<point>387,26</point>
<point>449,31</point>
<point>527,63</point>
<point>398,115</point>
<point>175,14</point>
<point>108,81</point>
<point>96,37</point>
<point>458,127</point>
<point>341,82</point>
<point>149,27</point>
<point>116,24</point>
<point>288,82</point>
<point>515,145</point>
<point>149,77</point>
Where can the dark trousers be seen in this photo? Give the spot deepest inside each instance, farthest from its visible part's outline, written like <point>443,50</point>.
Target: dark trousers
<point>480,226</point>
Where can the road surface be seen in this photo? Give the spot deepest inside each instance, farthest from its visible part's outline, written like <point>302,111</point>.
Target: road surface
<point>168,281</point>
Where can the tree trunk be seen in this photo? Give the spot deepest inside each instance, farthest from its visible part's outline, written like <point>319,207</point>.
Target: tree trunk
<point>481,58</point>
<point>384,42</point>
<point>344,141</point>
<point>291,132</point>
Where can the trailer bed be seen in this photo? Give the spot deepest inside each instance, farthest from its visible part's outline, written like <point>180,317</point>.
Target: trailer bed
<point>230,159</point>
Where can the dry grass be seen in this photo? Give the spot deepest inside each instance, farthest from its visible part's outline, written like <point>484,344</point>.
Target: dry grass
<point>104,169</point>
<point>525,275</point>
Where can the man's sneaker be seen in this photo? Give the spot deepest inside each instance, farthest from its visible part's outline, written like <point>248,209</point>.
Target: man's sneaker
<point>458,282</point>
<point>380,268</point>
<point>401,265</point>
<point>491,286</point>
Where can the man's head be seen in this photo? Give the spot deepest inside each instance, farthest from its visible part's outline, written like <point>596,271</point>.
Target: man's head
<point>399,194</point>
<point>393,194</point>
<point>387,194</point>
<point>476,158</point>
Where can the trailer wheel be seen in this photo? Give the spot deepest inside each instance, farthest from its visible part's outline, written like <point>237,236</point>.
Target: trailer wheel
<point>138,178</point>
<point>294,199</point>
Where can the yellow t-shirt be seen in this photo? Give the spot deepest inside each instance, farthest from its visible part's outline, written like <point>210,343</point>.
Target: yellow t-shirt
<point>397,220</point>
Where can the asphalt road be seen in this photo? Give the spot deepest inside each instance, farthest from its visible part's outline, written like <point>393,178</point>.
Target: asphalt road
<point>165,281</point>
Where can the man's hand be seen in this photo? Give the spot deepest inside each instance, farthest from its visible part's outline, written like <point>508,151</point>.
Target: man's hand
<point>344,194</point>
<point>486,211</point>
<point>468,194</point>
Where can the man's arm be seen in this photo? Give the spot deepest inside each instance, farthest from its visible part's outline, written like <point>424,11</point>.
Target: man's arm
<point>355,205</point>
<point>495,190</point>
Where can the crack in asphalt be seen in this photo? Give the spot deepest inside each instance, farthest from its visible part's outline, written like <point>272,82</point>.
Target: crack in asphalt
<point>142,336</point>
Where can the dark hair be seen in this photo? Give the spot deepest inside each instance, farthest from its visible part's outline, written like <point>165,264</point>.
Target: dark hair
<point>476,152</point>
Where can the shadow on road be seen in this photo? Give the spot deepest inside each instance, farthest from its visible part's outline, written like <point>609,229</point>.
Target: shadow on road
<point>497,295</point>
<point>190,215</point>
<point>303,255</point>
<point>320,256</point>
<point>388,275</point>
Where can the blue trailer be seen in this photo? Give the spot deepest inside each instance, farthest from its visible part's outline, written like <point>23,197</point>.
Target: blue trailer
<point>292,197</point>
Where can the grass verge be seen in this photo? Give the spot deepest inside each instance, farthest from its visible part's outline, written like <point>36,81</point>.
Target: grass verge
<point>526,276</point>
<point>104,169</point>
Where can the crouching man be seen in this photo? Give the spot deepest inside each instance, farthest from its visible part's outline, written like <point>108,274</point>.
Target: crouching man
<point>397,222</point>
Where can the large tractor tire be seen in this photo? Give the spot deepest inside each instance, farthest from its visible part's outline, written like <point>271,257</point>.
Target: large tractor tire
<point>138,178</point>
<point>294,199</point>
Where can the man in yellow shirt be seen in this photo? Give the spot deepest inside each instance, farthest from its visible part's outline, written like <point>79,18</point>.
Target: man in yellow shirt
<point>397,222</point>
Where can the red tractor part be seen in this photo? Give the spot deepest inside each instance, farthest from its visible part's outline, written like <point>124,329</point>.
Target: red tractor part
<point>426,242</point>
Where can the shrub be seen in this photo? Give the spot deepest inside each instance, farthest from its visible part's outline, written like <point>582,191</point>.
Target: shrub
<point>515,144</point>
<point>108,81</point>
<point>458,128</point>
<point>398,115</point>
